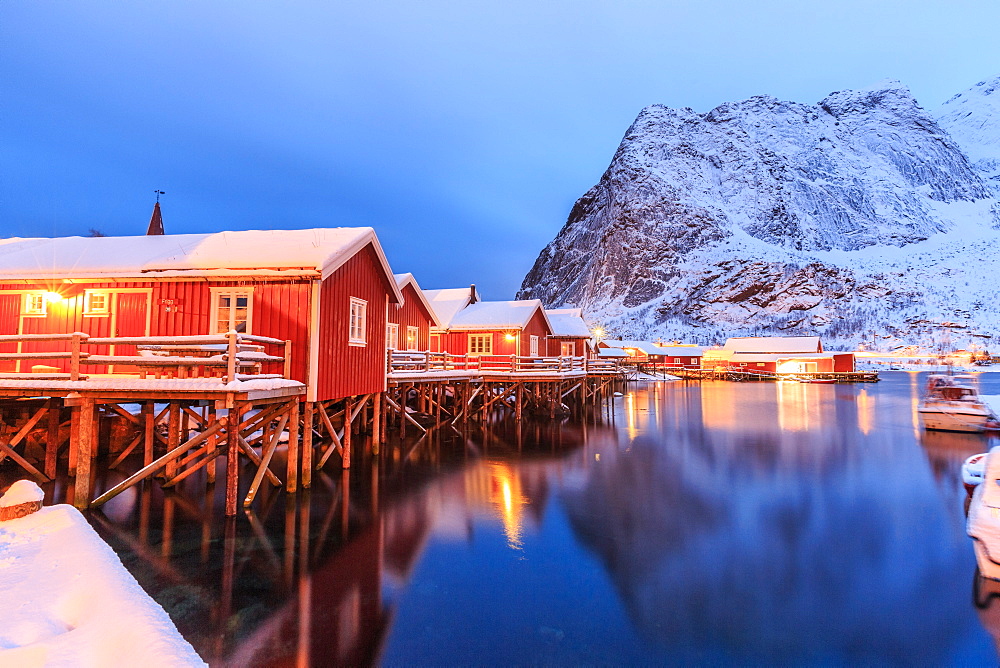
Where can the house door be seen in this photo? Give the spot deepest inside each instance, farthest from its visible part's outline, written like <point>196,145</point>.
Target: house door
<point>10,317</point>
<point>435,343</point>
<point>131,318</point>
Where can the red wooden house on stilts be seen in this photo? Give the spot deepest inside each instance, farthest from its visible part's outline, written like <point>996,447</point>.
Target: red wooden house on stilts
<point>326,292</point>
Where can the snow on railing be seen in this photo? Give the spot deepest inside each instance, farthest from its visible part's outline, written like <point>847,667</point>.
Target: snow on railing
<point>237,355</point>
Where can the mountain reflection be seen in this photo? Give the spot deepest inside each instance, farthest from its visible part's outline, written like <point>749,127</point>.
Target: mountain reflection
<point>801,535</point>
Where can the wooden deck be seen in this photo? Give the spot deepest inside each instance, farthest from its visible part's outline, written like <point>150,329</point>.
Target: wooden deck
<point>742,376</point>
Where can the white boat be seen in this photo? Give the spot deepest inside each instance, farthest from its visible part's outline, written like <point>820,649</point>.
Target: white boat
<point>951,403</point>
<point>973,470</point>
<point>983,525</point>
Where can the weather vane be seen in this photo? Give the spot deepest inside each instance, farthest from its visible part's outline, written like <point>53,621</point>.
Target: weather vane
<point>158,193</point>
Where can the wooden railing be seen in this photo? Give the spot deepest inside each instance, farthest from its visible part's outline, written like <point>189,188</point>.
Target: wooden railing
<point>230,356</point>
<point>412,361</point>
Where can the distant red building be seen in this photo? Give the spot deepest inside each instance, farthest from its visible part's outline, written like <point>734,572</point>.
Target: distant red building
<point>779,354</point>
<point>570,334</point>
<point>409,323</point>
<point>498,328</point>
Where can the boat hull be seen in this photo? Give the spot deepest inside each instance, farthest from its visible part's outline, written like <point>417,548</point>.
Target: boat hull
<point>954,421</point>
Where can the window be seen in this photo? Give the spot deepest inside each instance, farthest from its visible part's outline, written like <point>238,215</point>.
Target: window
<point>677,360</point>
<point>232,311</point>
<point>533,346</point>
<point>694,360</point>
<point>567,349</point>
<point>358,332</point>
<point>480,344</point>
<point>33,303</point>
<point>392,336</point>
<point>412,334</point>
<point>760,364</point>
<point>96,303</point>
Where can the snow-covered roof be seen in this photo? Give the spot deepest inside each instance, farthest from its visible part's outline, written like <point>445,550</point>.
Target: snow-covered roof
<point>778,357</point>
<point>611,352</point>
<point>774,344</point>
<point>680,351</point>
<point>567,322</point>
<point>318,251</point>
<point>449,301</point>
<point>402,280</point>
<point>498,315</point>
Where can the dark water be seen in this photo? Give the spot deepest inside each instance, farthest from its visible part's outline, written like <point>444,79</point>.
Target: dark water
<point>721,523</point>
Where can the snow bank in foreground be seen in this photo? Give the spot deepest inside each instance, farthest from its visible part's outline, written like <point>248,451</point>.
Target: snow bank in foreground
<point>66,600</point>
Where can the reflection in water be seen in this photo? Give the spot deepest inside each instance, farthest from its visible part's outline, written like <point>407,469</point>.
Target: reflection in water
<point>717,523</point>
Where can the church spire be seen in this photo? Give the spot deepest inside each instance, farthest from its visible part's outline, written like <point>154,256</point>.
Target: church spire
<point>156,221</point>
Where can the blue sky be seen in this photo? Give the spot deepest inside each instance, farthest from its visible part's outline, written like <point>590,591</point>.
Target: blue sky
<point>461,131</point>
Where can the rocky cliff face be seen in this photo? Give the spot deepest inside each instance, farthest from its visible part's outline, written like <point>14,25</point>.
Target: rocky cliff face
<point>855,215</point>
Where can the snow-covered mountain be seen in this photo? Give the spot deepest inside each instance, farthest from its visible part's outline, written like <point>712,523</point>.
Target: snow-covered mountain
<point>856,217</point>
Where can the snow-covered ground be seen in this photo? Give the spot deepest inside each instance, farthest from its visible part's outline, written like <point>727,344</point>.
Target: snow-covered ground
<point>67,600</point>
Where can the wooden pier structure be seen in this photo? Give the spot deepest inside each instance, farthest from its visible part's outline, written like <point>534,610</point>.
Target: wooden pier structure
<point>741,375</point>
<point>176,405</point>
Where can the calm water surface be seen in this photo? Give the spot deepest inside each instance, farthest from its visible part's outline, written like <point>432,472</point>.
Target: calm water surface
<point>720,523</point>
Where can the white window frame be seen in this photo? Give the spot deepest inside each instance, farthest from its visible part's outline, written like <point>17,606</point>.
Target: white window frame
<point>34,305</point>
<point>357,322</point>
<point>217,294</point>
<point>677,360</point>
<point>694,360</point>
<point>88,303</point>
<point>533,346</point>
<point>480,344</point>
<point>392,336</point>
<point>567,348</point>
<point>415,331</point>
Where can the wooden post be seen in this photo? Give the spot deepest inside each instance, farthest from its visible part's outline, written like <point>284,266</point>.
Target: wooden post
<point>376,422</point>
<point>52,438</point>
<point>213,444</point>
<point>74,360</point>
<point>85,418</point>
<point>173,437</point>
<point>292,483</point>
<point>346,441</point>
<point>231,337</point>
<point>307,444</point>
<point>74,439</point>
<point>518,401</point>
<point>233,458</point>
<point>402,410</point>
<point>287,370</point>
<point>148,427</point>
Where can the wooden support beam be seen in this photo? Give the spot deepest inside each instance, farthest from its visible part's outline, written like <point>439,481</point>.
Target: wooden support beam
<point>376,423</point>
<point>307,444</point>
<point>85,449</point>
<point>155,466</point>
<point>292,475</point>
<point>52,440</point>
<point>247,450</point>
<point>232,458</point>
<point>406,417</point>
<point>213,443</point>
<point>265,460</point>
<point>345,454</point>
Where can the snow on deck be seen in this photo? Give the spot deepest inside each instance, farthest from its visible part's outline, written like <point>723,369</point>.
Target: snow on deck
<point>68,600</point>
<point>316,250</point>
<point>134,384</point>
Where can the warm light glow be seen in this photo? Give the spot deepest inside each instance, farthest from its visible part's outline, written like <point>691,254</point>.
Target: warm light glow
<point>509,502</point>
<point>510,337</point>
<point>53,297</point>
<point>598,332</point>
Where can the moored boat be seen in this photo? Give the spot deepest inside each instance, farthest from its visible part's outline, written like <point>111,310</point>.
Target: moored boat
<point>983,525</point>
<point>951,403</point>
<point>973,470</point>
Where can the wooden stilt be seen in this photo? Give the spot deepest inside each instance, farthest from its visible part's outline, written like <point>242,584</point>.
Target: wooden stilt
<point>213,444</point>
<point>376,423</point>
<point>173,436</point>
<point>307,444</point>
<point>292,476</point>
<point>85,417</point>
<point>232,458</point>
<point>74,439</point>
<point>52,437</point>
<point>345,455</point>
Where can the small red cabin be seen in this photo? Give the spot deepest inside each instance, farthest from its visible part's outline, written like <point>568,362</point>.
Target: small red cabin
<point>325,290</point>
<point>779,354</point>
<point>410,323</point>
<point>446,304</point>
<point>570,334</point>
<point>499,328</point>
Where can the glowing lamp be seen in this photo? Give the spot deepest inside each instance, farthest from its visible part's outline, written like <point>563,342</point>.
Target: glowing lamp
<point>510,337</point>
<point>598,332</point>
<point>53,297</point>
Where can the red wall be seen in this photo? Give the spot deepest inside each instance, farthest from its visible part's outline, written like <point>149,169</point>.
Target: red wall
<point>412,313</point>
<point>581,346</point>
<point>346,370</point>
<point>457,343</point>
<point>843,362</point>
<point>280,310</point>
